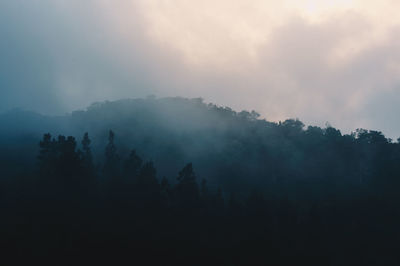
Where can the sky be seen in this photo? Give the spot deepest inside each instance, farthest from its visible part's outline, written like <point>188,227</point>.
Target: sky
<point>317,60</point>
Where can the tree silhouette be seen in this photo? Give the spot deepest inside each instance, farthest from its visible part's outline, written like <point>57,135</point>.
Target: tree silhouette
<point>87,156</point>
<point>309,196</point>
<point>132,166</point>
<point>187,189</point>
<point>47,155</point>
<point>112,160</point>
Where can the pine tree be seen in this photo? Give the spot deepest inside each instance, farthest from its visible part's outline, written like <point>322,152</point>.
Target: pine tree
<point>87,157</point>
<point>47,155</point>
<point>132,165</point>
<point>112,160</point>
<point>187,188</point>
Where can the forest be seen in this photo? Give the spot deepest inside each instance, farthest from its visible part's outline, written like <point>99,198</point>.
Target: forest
<point>176,181</point>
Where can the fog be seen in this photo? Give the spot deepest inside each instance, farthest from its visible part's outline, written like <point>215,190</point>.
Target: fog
<point>317,61</point>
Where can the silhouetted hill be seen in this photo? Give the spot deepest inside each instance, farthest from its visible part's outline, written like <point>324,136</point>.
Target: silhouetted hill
<point>179,182</point>
<point>227,147</point>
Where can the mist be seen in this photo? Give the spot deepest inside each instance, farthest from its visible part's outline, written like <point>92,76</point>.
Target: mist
<point>246,132</point>
<point>189,179</point>
<point>339,66</point>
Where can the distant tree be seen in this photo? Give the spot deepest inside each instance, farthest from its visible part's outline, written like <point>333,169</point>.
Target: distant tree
<point>187,189</point>
<point>112,160</point>
<point>69,164</point>
<point>294,124</point>
<point>252,116</point>
<point>370,137</point>
<point>88,180</point>
<point>132,165</point>
<point>87,157</point>
<point>148,175</point>
<point>291,128</point>
<point>147,188</point>
<point>59,156</point>
<point>47,155</point>
<point>61,169</point>
<point>333,133</point>
<point>186,175</point>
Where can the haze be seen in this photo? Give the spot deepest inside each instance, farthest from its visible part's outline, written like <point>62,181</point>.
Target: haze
<point>320,61</point>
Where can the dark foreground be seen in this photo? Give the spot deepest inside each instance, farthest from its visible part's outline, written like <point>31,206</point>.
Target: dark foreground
<point>71,212</point>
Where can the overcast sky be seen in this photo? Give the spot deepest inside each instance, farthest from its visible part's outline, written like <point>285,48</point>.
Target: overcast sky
<point>321,61</point>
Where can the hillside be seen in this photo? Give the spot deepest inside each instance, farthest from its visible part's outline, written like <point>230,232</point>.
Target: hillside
<point>179,182</point>
<point>228,148</point>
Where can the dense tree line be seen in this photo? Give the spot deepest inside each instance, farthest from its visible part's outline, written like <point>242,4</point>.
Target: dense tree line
<point>71,209</point>
<point>261,193</point>
<point>234,150</point>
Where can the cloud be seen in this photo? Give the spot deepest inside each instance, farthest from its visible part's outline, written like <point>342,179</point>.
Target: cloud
<point>60,55</point>
<point>335,61</point>
<point>307,76</point>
